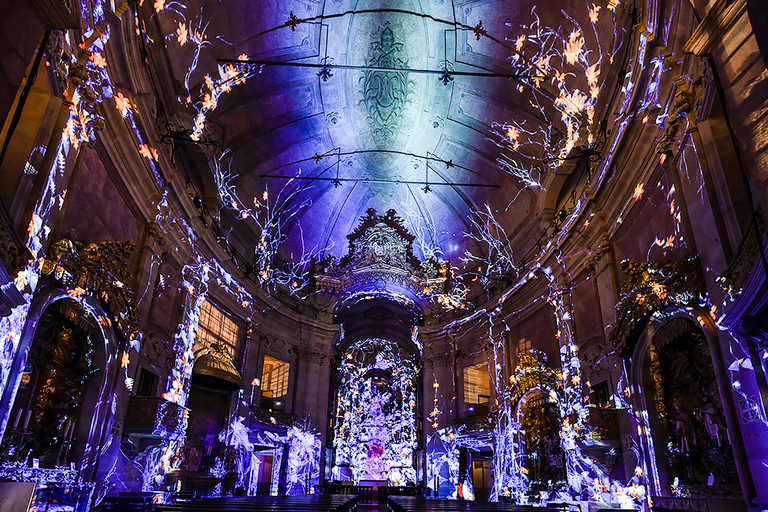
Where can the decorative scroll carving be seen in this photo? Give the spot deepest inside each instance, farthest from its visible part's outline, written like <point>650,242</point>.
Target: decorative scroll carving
<point>676,122</point>
<point>381,251</point>
<point>593,358</point>
<point>101,271</point>
<point>691,103</point>
<point>735,277</point>
<point>385,93</point>
<point>649,287</point>
<point>159,350</point>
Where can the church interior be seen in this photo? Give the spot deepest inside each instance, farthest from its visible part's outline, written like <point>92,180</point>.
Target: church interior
<point>401,255</point>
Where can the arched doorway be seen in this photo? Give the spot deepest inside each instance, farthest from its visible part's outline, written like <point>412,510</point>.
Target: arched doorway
<point>686,443</point>
<point>528,454</point>
<point>375,432</point>
<point>59,411</point>
<point>543,457</point>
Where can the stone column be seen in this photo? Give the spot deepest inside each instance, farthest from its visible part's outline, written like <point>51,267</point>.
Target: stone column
<point>323,393</point>
<point>148,268</point>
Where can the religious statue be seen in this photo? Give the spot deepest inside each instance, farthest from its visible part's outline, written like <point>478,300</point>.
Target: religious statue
<point>713,421</point>
<point>683,428</point>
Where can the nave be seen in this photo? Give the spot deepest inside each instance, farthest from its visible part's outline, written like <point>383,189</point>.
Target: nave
<point>402,255</point>
<point>324,503</point>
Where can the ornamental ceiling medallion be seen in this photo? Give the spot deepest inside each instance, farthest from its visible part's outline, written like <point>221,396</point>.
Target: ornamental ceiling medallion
<point>381,254</point>
<point>385,93</point>
<point>384,102</point>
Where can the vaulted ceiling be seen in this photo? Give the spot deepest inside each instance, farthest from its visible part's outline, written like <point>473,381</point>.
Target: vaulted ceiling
<point>384,133</point>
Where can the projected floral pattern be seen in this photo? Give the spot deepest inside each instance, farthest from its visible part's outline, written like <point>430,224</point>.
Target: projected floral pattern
<point>375,426</point>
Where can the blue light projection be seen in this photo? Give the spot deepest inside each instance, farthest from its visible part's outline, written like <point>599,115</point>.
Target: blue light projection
<point>575,62</point>
<point>303,449</point>
<point>375,425</point>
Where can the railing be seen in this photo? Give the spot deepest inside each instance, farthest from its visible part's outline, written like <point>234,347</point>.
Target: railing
<point>365,493</point>
<point>666,503</point>
<point>147,413</point>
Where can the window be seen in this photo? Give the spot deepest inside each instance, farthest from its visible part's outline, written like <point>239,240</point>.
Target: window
<point>600,395</point>
<point>523,346</point>
<point>216,327</point>
<point>274,378</point>
<point>477,384</point>
<point>147,383</point>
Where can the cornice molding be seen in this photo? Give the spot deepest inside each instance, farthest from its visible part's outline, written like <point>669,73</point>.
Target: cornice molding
<point>717,21</point>
<point>56,14</point>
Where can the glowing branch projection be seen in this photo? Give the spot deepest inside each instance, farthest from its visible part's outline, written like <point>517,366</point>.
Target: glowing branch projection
<point>196,284</point>
<point>303,450</point>
<point>375,426</point>
<point>271,214</point>
<point>498,264</point>
<point>87,83</point>
<point>573,58</point>
<point>530,375</point>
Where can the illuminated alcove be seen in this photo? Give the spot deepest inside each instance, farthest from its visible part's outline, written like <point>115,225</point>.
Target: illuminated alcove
<point>685,442</point>
<point>61,413</point>
<point>375,428</point>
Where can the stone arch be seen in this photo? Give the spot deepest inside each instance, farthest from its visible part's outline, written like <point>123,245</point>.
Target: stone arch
<point>90,436</point>
<point>533,378</point>
<point>653,456</point>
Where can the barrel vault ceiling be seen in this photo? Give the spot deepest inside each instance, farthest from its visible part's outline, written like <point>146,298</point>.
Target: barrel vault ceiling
<point>375,127</point>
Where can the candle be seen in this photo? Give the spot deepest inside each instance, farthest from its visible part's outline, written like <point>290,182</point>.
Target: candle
<point>26,419</point>
<point>18,418</point>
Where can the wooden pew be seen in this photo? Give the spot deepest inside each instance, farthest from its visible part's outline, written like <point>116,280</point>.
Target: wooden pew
<point>327,503</point>
<point>128,504</point>
<point>421,504</point>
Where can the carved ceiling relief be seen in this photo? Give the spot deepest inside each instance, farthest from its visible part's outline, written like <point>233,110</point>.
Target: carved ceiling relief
<point>386,93</point>
<point>384,101</point>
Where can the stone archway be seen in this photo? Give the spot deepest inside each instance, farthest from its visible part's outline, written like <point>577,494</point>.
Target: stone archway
<point>532,377</point>
<point>89,430</point>
<point>681,411</point>
<point>538,413</point>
